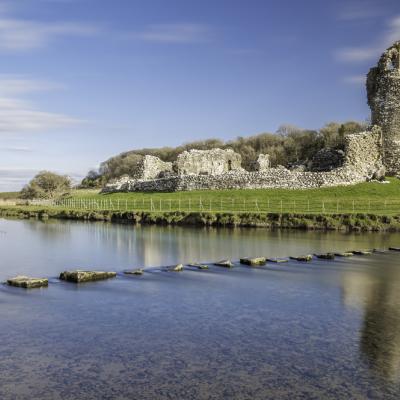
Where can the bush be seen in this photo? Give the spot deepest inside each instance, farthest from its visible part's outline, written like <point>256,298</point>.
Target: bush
<point>47,185</point>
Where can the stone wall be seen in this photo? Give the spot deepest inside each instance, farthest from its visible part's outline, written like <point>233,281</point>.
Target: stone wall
<point>150,167</point>
<point>207,162</point>
<point>383,89</point>
<point>262,163</point>
<point>362,162</point>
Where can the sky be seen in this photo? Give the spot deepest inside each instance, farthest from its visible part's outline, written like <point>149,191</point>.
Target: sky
<point>83,80</point>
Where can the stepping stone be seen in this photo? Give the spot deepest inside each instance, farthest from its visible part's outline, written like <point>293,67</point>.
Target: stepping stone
<point>277,260</point>
<point>325,256</point>
<point>307,257</point>
<point>344,254</point>
<point>253,261</point>
<point>380,251</point>
<point>198,266</point>
<point>362,252</point>
<point>224,263</point>
<point>138,271</point>
<point>79,276</point>
<point>175,268</point>
<point>27,282</point>
<point>394,248</point>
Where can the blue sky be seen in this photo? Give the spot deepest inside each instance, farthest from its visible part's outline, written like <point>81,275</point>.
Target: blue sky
<point>82,80</point>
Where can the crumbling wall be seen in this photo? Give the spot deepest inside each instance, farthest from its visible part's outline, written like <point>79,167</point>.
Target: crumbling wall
<point>207,162</point>
<point>362,162</point>
<point>150,167</point>
<point>261,164</point>
<point>383,89</point>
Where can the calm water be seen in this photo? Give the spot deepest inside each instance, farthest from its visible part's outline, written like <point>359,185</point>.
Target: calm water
<point>324,330</point>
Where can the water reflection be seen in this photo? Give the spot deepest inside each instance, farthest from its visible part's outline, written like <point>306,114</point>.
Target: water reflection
<point>375,291</point>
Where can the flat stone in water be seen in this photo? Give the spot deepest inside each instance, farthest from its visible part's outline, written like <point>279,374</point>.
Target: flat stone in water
<point>277,260</point>
<point>307,257</point>
<point>394,248</point>
<point>253,261</point>
<point>325,256</point>
<point>198,266</point>
<point>224,263</point>
<point>345,254</point>
<point>176,268</point>
<point>138,271</point>
<point>362,252</point>
<point>79,276</point>
<point>27,282</point>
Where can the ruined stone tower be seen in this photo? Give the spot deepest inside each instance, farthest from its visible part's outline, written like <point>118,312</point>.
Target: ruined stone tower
<point>383,89</point>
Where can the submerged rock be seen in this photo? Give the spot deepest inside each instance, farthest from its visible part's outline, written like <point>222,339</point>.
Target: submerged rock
<point>79,276</point>
<point>307,257</point>
<point>224,263</point>
<point>253,260</point>
<point>277,260</point>
<point>138,271</point>
<point>27,282</point>
<point>344,254</point>
<point>326,256</point>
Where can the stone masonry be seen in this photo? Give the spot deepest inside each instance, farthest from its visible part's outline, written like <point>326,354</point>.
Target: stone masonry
<point>207,162</point>
<point>383,89</point>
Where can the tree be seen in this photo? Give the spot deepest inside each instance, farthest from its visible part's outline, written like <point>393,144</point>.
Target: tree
<point>46,185</point>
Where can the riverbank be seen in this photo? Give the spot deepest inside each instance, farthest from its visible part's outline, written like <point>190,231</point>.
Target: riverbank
<point>343,222</point>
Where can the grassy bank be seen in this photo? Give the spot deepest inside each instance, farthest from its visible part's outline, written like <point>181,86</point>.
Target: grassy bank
<point>347,222</point>
<point>369,197</point>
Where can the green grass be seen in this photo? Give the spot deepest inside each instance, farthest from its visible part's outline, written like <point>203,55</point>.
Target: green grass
<point>370,197</point>
<point>365,197</point>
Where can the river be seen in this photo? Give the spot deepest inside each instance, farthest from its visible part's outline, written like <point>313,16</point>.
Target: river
<point>318,330</point>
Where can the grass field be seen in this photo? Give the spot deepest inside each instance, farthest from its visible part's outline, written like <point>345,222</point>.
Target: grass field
<point>369,197</point>
<point>365,197</point>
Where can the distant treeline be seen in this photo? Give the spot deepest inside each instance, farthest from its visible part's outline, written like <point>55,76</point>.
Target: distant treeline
<point>288,146</point>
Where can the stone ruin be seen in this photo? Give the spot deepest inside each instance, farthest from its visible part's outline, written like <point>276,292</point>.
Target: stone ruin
<point>207,162</point>
<point>367,155</point>
<point>383,90</point>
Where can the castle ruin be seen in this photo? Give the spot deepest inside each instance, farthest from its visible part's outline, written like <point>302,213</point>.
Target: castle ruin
<point>383,89</point>
<point>368,155</point>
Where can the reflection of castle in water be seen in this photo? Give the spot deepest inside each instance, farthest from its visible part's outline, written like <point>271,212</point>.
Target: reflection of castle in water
<point>378,294</point>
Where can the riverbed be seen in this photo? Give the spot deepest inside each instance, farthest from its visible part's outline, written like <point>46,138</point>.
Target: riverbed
<point>318,330</point>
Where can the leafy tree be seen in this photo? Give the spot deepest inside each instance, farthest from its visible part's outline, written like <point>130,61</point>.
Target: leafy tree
<point>47,185</point>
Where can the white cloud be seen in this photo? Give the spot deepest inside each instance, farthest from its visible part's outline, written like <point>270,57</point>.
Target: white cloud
<point>174,33</point>
<point>372,52</point>
<point>20,116</point>
<point>19,35</point>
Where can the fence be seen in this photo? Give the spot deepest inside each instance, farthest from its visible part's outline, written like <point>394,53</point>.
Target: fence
<point>231,205</point>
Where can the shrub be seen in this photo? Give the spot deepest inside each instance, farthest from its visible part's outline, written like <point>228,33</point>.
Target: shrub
<point>47,185</point>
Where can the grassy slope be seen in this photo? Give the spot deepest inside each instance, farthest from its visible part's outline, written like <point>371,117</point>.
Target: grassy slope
<point>362,191</point>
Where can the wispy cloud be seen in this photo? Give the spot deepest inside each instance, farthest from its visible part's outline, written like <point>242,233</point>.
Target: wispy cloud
<point>20,35</point>
<point>174,33</point>
<point>361,10</point>
<point>19,115</point>
<point>16,149</point>
<point>371,52</point>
